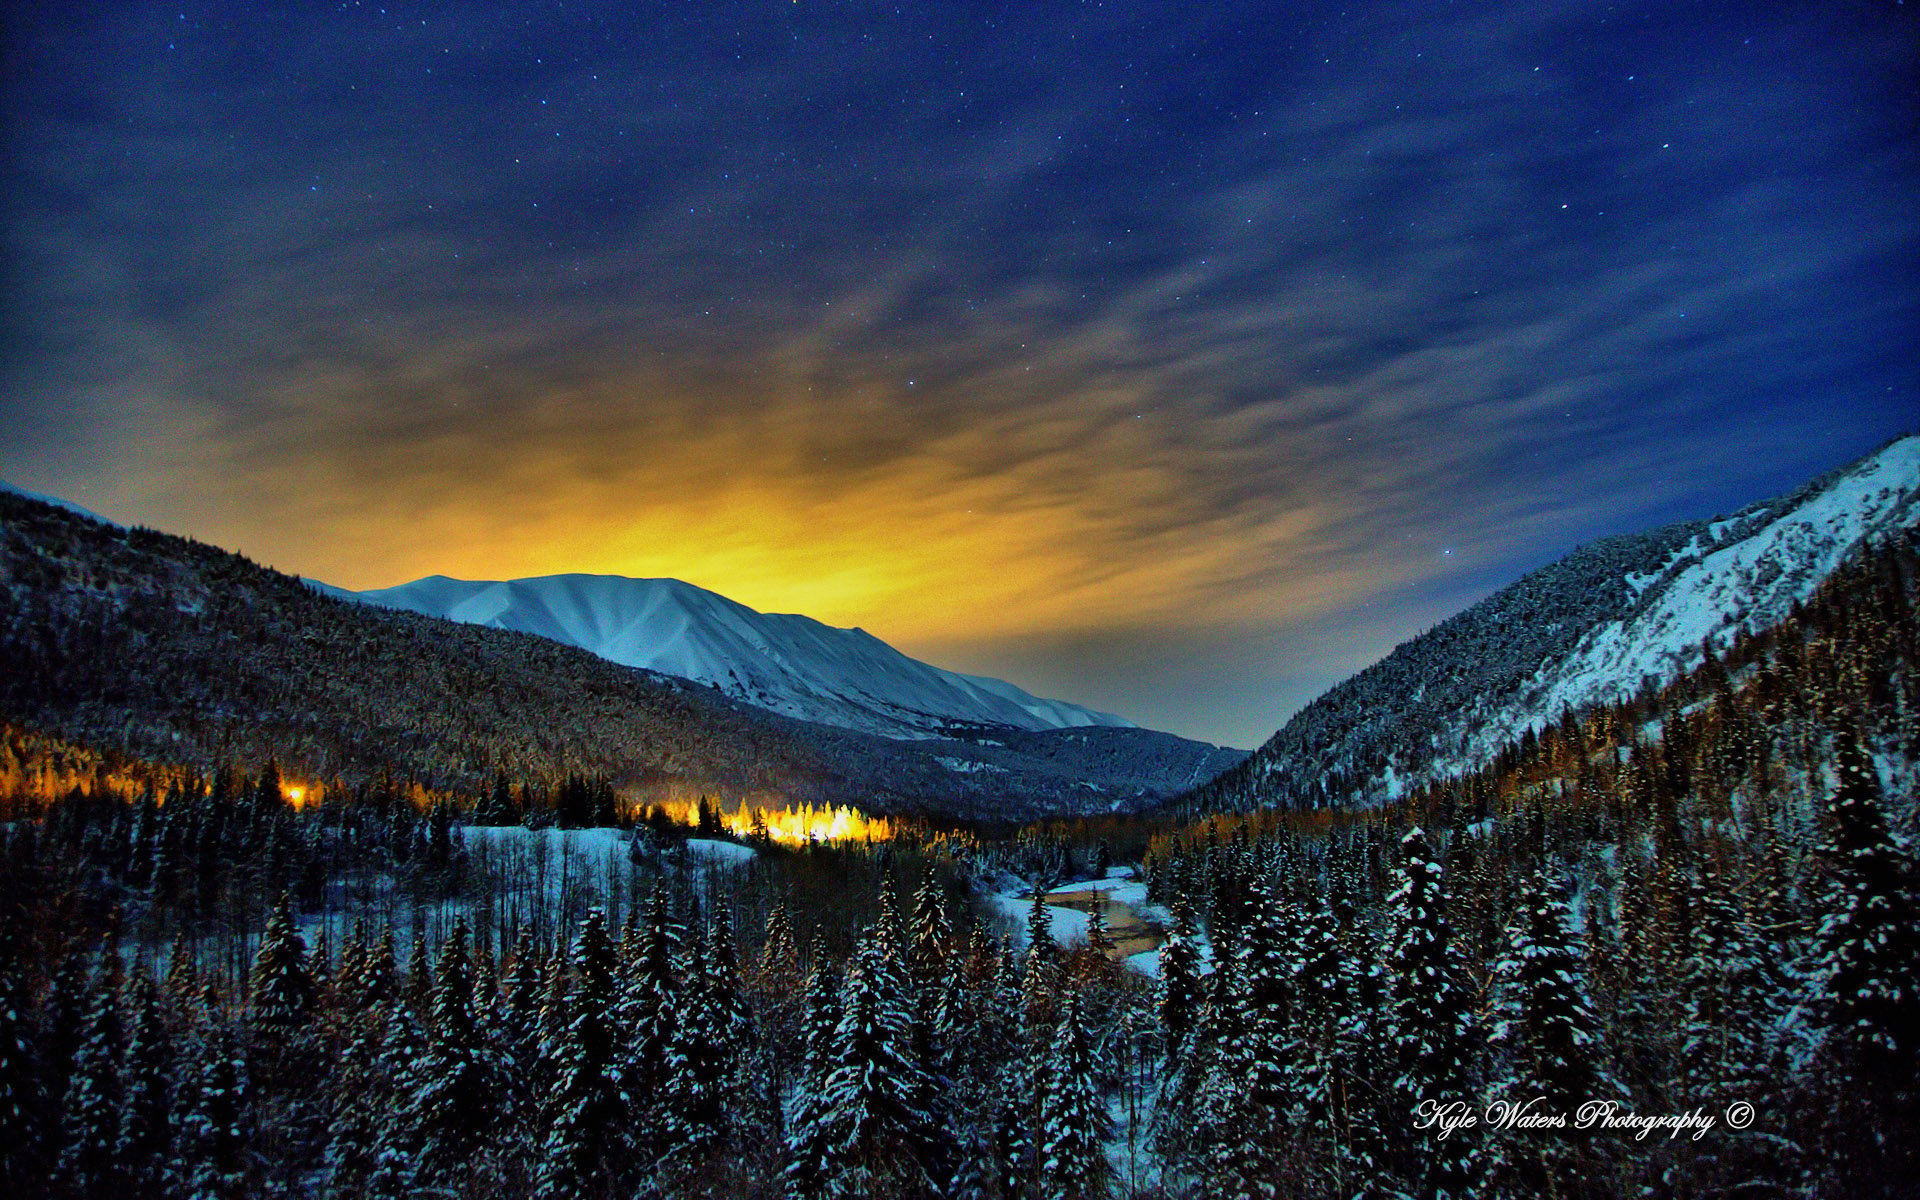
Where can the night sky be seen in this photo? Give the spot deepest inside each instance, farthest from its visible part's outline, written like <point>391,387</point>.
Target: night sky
<point>1172,358</point>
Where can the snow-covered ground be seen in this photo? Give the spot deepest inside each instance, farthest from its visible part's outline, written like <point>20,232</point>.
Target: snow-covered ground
<point>1070,925</point>
<point>599,850</point>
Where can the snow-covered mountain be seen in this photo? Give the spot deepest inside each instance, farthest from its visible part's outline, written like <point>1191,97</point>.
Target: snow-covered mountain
<point>1593,628</point>
<point>793,665</point>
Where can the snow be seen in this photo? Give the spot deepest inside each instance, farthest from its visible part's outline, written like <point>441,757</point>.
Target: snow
<point>602,854</point>
<point>790,664</point>
<point>1068,926</point>
<point>1130,892</point>
<point>965,766</point>
<point>731,854</point>
<point>58,503</point>
<point>1709,593</point>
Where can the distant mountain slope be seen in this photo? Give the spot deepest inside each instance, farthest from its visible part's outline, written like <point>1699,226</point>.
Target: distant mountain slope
<point>175,652</point>
<point>793,665</point>
<point>1594,627</point>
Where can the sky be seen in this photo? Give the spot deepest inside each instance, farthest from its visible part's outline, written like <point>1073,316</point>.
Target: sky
<point>1174,359</point>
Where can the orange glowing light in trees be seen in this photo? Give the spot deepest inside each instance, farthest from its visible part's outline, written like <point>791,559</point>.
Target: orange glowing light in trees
<point>793,826</point>
<point>295,793</point>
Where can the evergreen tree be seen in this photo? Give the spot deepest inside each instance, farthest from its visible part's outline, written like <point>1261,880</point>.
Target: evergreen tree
<point>21,1101</point>
<point>281,989</point>
<point>1552,1038</point>
<point>146,1125</point>
<point>460,1087</point>
<point>863,1135</point>
<point>89,1164</point>
<point>1040,981</point>
<point>702,1093</point>
<point>382,1151</point>
<point>588,1111</point>
<point>1074,1124</point>
<point>1181,992</point>
<point>1433,1036</point>
<point>1867,999</point>
<point>651,1012</point>
<point>1250,1096</point>
<point>212,1134</point>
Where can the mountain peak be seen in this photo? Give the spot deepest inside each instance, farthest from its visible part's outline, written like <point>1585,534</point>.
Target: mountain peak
<point>785,662</point>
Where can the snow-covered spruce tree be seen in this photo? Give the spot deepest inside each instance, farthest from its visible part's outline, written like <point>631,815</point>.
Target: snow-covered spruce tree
<point>822,1018</point>
<point>64,1008</point>
<point>280,991</point>
<point>1181,992</point>
<point>90,1117</point>
<point>1074,1124</point>
<point>1432,1031</point>
<point>362,1097</point>
<point>589,1110</point>
<point>520,1016</point>
<point>385,1159</point>
<point>653,1003</point>
<point>459,1092</point>
<point>1733,994</point>
<point>1551,1037</point>
<point>146,1119</point>
<point>1254,1098</point>
<point>1005,1079</point>
<point>1040,978</point>
<point>20,1096</point>
<point>213,1132</point>
<point>863,1135</point>
<point>930,937</point>
<point>702,1096</point>
<point>1867,987</point>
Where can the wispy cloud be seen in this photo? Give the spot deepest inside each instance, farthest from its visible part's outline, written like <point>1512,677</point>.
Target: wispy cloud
<point>1018,341</point>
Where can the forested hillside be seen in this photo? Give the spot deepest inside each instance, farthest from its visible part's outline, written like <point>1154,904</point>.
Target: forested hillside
<point>1595,627</point>
<point>170,651</point>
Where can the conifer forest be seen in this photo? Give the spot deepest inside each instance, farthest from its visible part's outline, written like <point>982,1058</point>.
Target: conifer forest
<point>1663,947</point>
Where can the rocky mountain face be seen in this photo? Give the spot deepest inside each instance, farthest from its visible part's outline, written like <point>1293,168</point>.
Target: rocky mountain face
<point>1615,618</point>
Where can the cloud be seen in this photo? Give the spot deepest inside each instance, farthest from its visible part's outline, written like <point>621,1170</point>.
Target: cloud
<point>1050,335</point>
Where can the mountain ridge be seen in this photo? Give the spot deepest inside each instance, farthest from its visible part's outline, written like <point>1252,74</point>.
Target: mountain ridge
<point>167,650</point>
<point>1593,627</point>
<point>784,662</point>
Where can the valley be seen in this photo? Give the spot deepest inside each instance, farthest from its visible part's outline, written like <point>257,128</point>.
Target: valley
<point>323,898</point>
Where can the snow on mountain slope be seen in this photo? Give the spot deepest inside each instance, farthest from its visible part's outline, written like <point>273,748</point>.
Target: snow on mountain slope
<point>1588,629</point>
<point>1748,583</point>
<point>69,505</point>
<point>790,664</point>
